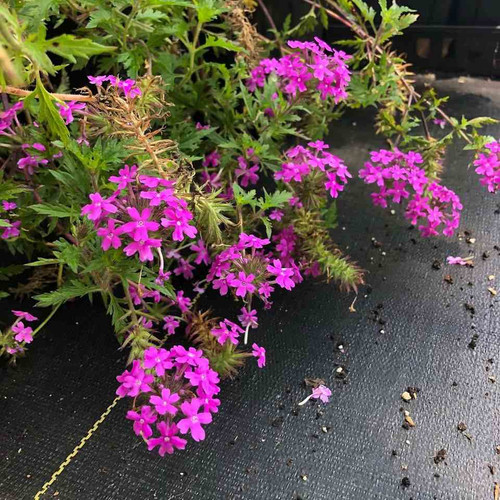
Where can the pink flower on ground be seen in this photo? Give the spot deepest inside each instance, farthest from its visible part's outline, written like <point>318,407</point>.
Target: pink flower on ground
<point>142,421</point>
<point>25,315</point>
<point>456,261</point>
<point>192,422</point>
<point>321,392</point>
<point>23,333</point>
<point>168,441</point>
<point>165,403</point>
<point>260,354</point>
<point>98,206</point>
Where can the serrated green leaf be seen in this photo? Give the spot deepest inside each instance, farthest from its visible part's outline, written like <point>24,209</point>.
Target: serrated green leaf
<point>71,290</point>
<point>54,210</point>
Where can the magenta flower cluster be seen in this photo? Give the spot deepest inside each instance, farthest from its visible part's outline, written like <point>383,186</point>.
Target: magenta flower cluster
<point>10,227</point>
<point>19,334</point>
<point>301,161</point>
<point>488,166</point>
<point>130,215</point>
<point>430,206</point>
<point>174,393</point>
<point>314,67</point>
<point>128,86</point>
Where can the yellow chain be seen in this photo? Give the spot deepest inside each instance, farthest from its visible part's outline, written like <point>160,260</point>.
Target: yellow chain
<point>77,448</point>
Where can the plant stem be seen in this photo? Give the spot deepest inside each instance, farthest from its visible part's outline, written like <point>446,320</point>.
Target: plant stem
<point>46,320</point>
<point>8,89</point>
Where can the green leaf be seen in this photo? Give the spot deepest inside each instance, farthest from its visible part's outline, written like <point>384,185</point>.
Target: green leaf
<point>70,47</point>
<point>48,113</point>
<point>68,291</point>
<point>274,200</point>
<point>42,261</point>
<point>243,197</point>
<point>221,42</point>
<point>54,210</point>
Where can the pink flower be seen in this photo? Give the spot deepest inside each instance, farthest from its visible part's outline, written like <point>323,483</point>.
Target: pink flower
<point>23,333</point>
<point>25,315</point>
<point>184,268</point>
<point>283,274</point>
<point>183,303</point>
<point>248,317</point>
<point>11,231</point>
<point>246,174</point>
<point>97,80</point>
<point>98,206</point>
<point>109,235</point>
<point>212,159</point>
<point>227,330</point>
<point>7,205</point>
<point>66,110</point>
<point>165,403</point>
<point>168,441</point>
<point>260,354</point>
<point>201,251</point>
<point>190,356</point>
<point>143,248</point>
<point>192,422</point>
<point>251,241</point>
<point>170,324</point>
<point>134,381</point>
<point>179,219</point>
<point>456,261</point>
<point>157,359</point>
<point>140,224</point>
<point>243,284</point>
<point>142,421</point>
<point>321,392</point>
<point>276,215</point>
<point>126,176</point>
<point>206,379</point>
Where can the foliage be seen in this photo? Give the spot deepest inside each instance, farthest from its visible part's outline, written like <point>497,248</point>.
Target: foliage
<point>191,159</point>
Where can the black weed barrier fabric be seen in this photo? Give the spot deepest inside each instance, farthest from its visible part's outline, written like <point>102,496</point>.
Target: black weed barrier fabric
<point>411,328</point>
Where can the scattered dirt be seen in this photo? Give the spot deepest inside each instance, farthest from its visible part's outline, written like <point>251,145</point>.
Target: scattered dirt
<point>440,456</point>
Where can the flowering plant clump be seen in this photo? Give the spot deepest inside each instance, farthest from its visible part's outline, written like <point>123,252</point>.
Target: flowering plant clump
<point>174,393</point>
<point>434,206</point>
<point>192,159</point>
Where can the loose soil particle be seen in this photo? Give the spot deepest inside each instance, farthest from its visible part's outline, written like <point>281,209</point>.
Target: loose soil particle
<point>440,456</point>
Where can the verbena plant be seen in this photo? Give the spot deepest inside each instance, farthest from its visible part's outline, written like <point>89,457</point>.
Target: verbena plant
<point>192,158</point>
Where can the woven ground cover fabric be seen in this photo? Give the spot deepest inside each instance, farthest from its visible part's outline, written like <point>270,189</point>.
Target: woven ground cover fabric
<point>261,444</point>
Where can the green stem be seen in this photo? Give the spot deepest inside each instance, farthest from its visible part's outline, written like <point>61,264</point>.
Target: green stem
<point>46,320</point>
